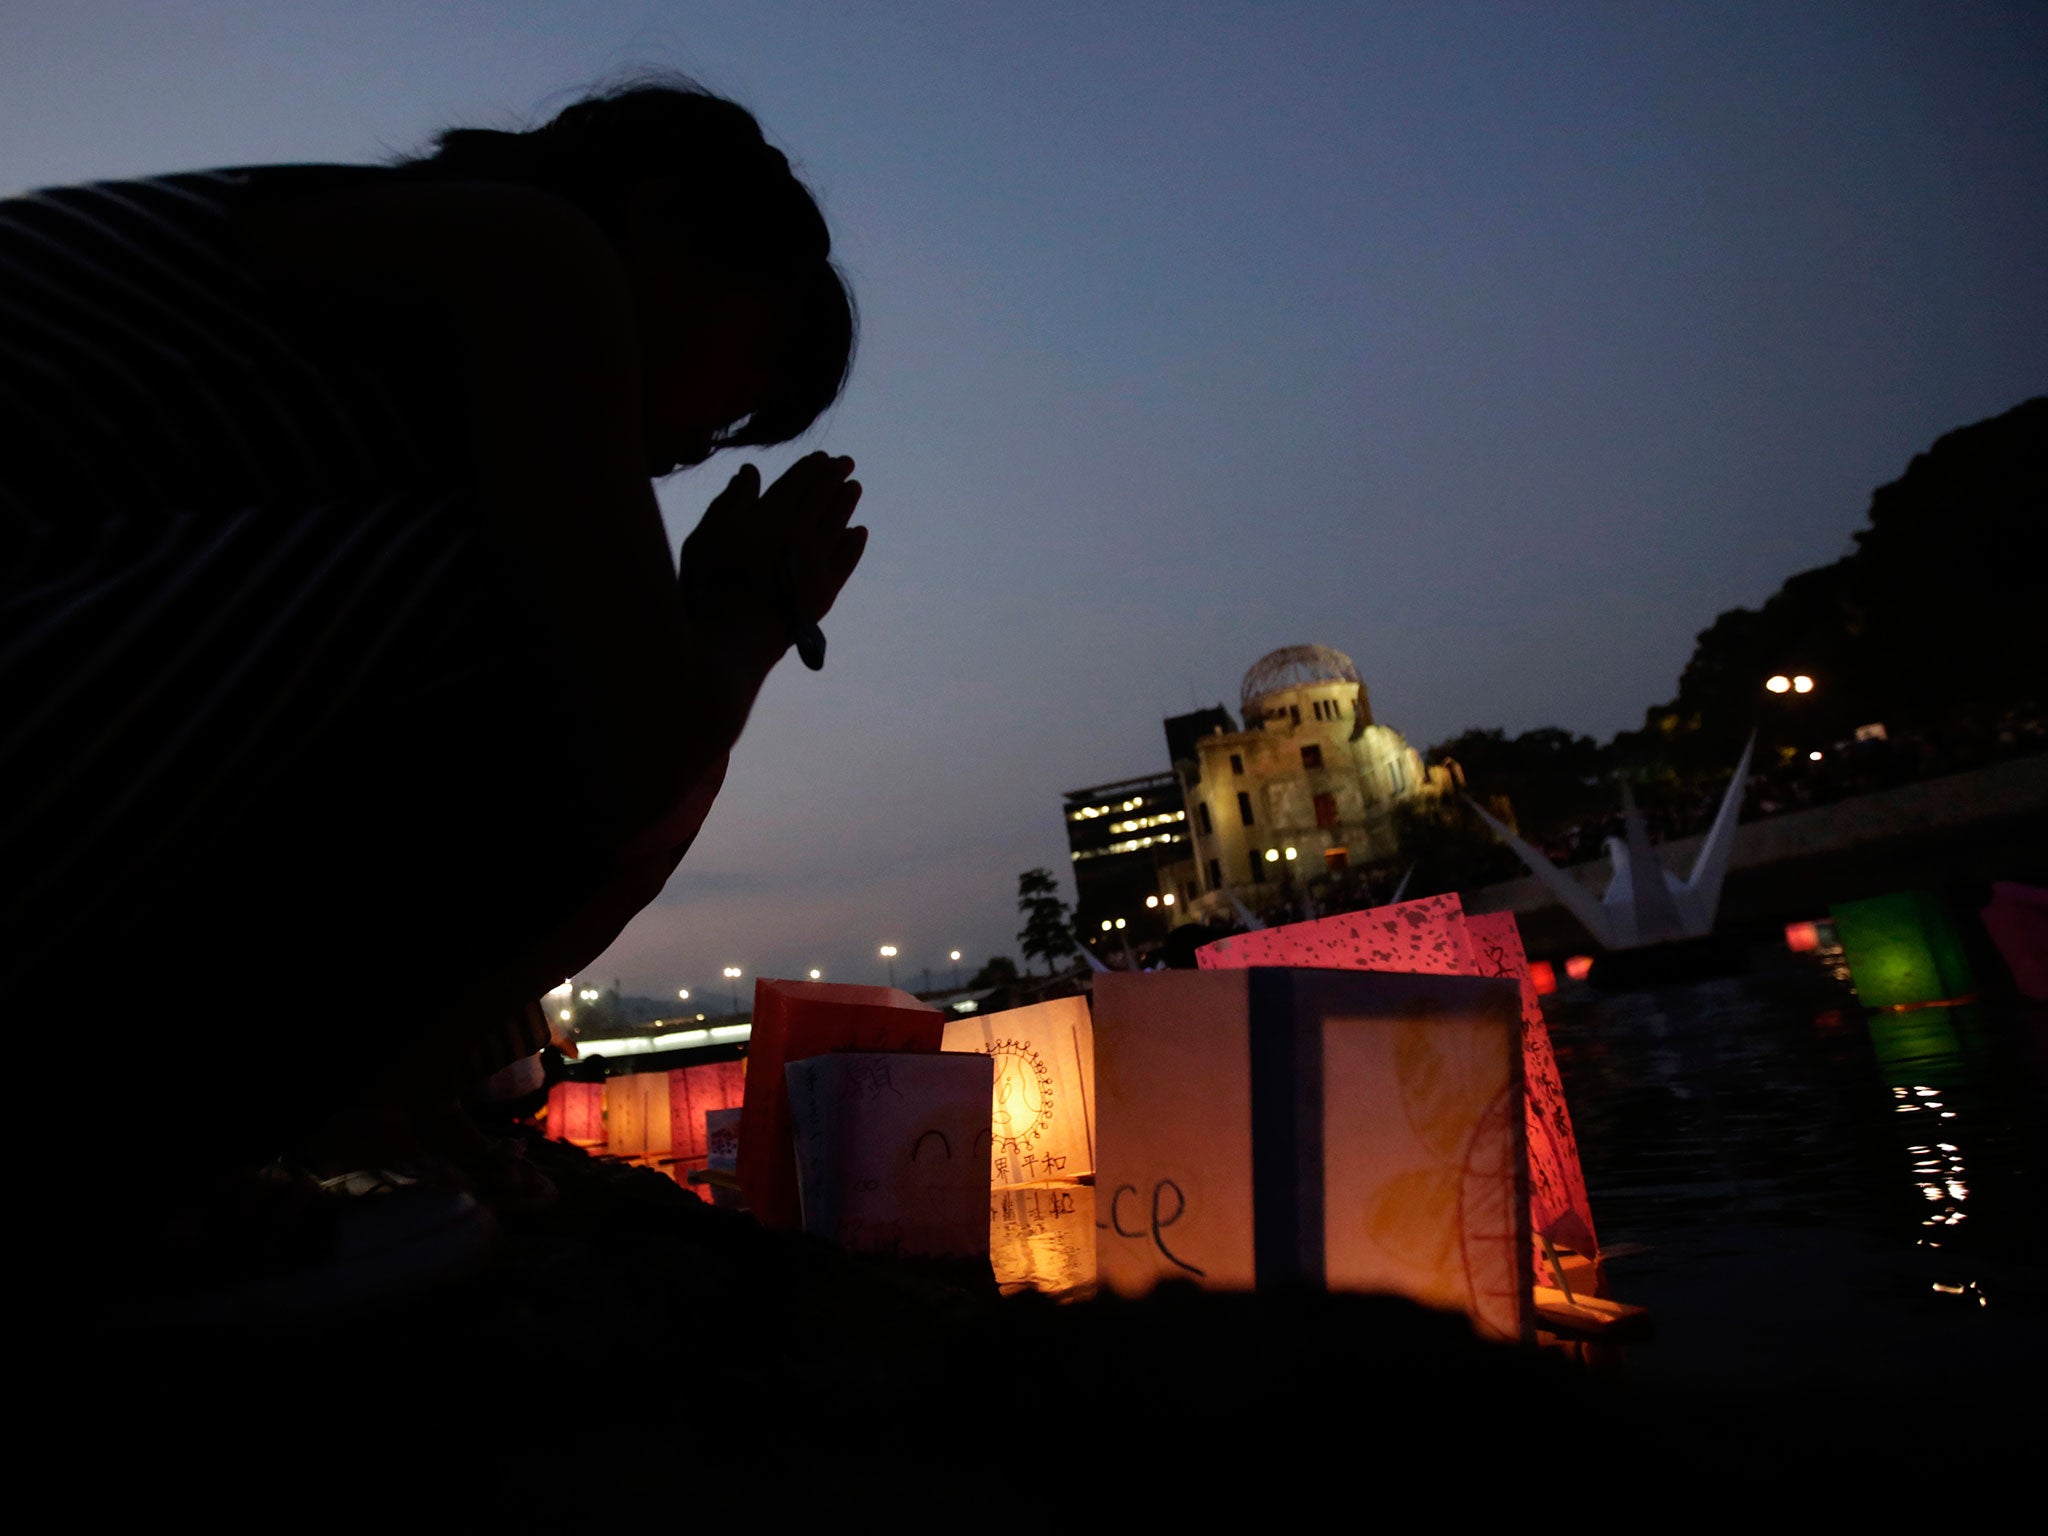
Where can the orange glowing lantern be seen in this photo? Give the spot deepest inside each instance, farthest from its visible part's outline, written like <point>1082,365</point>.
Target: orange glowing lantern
<point>1543,977</point>
<point>576,1114</point>
<point>1579,967</point>
<point>695,1094</point>
<point>1435,936</point>
<point>1345,1129</point>
<point>795,1020</point>
<point>1802,938</point>
<point>636,1114</point>
<point>1041,1141</point>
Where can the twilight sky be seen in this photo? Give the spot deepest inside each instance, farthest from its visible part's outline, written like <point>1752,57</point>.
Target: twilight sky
<point>1500,346</point>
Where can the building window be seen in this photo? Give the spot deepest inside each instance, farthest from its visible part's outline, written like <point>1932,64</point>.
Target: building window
<point>1190,891</point>
<point>1244,808</point>
<point>1326,810</point>
<point>1335,858</point>
<point>1294,714</point>
<point>1237,764</point>
<point>1312,756</point>
<point>1202,817</point>
<point>1215,874</point>
<point>1258,867</point>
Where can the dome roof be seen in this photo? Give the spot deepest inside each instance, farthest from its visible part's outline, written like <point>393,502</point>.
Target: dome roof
<point>1293,666</point>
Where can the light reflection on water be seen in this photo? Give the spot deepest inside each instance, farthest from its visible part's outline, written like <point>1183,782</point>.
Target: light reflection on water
<point>1828,1196</point>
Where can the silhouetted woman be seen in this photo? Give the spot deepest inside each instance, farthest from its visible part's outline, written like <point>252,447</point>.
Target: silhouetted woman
<point>349,696</point>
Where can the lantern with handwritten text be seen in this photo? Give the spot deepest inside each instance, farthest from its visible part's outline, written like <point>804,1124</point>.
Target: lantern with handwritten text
<point>892,1151</point>
<point>1436,936</point>
<point>1041,1141</point>
<point>1282,1127</point>
<point>795,1020</point>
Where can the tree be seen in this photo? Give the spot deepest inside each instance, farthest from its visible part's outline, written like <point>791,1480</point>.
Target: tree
<point>1048,932</point>
<point>1935,610</point>
<point>1548,775</point>
<point>1000,971</point>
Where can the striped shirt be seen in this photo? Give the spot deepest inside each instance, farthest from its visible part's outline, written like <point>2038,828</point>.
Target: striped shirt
<point>217,546</point>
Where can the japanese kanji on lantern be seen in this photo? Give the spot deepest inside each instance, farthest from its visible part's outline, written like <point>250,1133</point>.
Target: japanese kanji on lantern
<point>1041,1141</point>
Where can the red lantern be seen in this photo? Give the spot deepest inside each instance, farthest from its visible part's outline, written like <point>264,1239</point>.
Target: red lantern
<point>694,1093</point>
<point>576,1114</point>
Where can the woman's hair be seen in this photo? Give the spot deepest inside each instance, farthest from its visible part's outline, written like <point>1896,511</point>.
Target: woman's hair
<point>738,215</point>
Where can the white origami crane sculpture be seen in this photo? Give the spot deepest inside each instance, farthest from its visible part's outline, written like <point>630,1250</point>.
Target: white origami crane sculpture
<point>1644,902</point>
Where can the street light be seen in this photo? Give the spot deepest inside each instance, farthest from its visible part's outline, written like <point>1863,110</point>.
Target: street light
<point>954,956</point>
<point>889,954</point>
<point>1778,684</point>
<point>1802,684</point>
<point>683,993</point>
<point>732,974</point>
<point>816,974</point>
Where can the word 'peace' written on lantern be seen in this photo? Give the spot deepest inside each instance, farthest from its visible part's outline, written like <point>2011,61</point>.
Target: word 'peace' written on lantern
<point>1159,1222</point>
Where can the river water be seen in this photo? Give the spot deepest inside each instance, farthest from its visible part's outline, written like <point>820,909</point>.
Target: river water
<point>1828,1198</point>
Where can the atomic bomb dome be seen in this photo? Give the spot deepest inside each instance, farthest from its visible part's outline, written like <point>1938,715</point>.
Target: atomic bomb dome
<point>1294,805</point>
<point>1293,666</point>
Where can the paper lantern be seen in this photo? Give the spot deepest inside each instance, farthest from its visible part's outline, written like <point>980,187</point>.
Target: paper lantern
<point>694,1093</point>
<point>1802,938</point>
<point>1902,949</point>
<point>1041,1141</point>
<point>1543,976</point>
<point>1343,1129</point>
<point>794,1020</point>
<point>1578,967</point>
<point>1041,1237</point>
<point>576,1114</point>
<point>1044,1060</point>
<point>1435,936</point>
<point>891,1150</point>
<point>722,1156</point>
<point>636,1114</point>
<point>2017,920</point>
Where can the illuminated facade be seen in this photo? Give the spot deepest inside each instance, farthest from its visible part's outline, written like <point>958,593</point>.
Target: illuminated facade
<point>1309,783</point>
<point>1119,836</point>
